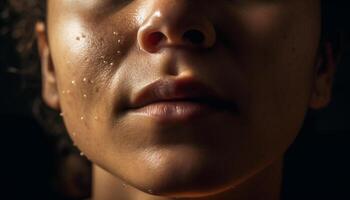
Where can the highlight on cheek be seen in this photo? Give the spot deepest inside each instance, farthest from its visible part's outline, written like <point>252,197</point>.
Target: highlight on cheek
<point>73,37</point>
<point>82,43</point>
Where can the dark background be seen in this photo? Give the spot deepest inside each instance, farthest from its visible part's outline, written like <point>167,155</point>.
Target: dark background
<point>317,165</point>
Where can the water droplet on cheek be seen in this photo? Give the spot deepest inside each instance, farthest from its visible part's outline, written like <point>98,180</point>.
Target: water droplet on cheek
<point>66,91</point>
<point>61,114</point>
<point>73,82</point>
<point>82,118</point>
<point>84,79</point>
<point>84,95</point>
<point>81,154</point>
<point>124,185</point>
<point>118,52</point>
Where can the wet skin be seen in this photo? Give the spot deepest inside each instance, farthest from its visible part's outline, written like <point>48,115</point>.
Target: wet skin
<point>261,56</point>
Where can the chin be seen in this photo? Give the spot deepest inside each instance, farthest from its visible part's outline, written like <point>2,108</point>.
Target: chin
<point>183,171</point>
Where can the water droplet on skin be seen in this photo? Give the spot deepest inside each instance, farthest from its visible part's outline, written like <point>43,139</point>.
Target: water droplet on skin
<point>73,82</point>
<point>96,118</point>
<point>119,41</point>
<point>102,57</point>
<point>74,134</point>
<point>77,38</point>
<point>118,52</point>
<point>81,118</point>
<point>115,33</point>
<point>91,81</point>
<point>84,79</point>
<point>81,154</point>
<point>61,114</point>
<point>104,62</point>
<point>111,64</point>
<point>84,95</point>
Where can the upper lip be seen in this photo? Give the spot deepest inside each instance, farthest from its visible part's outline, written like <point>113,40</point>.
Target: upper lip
<point>185,89</point>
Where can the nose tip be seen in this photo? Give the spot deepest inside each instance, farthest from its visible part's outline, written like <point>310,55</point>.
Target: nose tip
<point>159,32</point>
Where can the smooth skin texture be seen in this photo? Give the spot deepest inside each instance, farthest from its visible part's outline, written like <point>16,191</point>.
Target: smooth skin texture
<point>262,55</point>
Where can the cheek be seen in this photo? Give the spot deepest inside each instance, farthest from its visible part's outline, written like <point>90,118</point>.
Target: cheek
<point>86,59</point>
<point>260,21</point>
<point>277,51</point>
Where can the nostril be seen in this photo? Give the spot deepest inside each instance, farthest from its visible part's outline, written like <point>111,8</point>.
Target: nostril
<point>194,36</point>
<point>155,38</point>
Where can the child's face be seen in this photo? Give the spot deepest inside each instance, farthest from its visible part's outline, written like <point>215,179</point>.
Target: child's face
<point>259,55</point>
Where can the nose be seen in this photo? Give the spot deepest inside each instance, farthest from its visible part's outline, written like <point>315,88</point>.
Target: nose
<point>174,24</point>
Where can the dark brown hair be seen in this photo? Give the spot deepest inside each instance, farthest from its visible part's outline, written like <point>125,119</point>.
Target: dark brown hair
<point>71,177</point>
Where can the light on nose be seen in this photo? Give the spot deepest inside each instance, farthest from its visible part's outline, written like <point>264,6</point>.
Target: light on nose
<point>161,31</point>
<point>191,38</point>
<point>155,40</point>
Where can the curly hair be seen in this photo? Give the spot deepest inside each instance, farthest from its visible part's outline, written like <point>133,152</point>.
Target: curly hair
<point>19,18</point>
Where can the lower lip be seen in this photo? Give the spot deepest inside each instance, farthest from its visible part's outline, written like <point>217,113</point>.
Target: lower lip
<point>175,111</point>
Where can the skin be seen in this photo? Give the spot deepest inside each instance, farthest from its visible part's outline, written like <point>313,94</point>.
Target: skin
<point>262,55</point>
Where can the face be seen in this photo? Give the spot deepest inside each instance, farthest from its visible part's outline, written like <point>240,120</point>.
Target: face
<point>258,56</point>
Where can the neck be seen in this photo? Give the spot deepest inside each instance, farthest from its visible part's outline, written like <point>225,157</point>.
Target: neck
<point>265,185</point>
